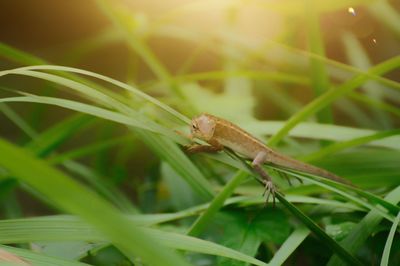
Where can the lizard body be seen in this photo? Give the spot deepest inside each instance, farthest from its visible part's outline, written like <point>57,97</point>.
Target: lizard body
<point>220,133</point>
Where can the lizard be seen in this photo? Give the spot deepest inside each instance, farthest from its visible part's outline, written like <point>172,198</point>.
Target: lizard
<point>220,133</point>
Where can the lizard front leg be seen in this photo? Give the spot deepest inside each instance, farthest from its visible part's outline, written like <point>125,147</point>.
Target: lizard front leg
<point>257,163</point>
<point>214,146</point>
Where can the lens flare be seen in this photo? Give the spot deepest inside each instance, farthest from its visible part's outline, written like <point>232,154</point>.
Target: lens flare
<point>351,11</point>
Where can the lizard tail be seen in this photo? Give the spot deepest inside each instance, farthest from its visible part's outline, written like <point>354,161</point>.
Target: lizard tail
<point>288,162</point>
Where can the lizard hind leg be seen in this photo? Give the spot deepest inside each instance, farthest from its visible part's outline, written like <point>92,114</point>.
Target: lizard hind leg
<point>267,181</point>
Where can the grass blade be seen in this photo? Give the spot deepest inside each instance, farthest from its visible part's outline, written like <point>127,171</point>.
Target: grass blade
<point>69,228</point>
<point>289,246</point>
<point>319,76</point>
<point>336,147</point>
<point>74,198</point>
<point>364,228</point>
<point>170,152</point>
<point>17,120</point>
<point>331,95</point>
<point>325,239</point>
<point>202,221</point>
<point>389,241</point>
<point>38,259</point>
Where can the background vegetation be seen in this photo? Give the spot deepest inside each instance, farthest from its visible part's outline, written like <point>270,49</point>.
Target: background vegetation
<point>92,170</point>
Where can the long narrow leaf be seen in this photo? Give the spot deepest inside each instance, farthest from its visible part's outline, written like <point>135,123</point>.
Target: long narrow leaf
<point>389,241</point>
<point>71,228</point>
<point>331,95</point>
<point>75,198</point>
<point>332,244</point>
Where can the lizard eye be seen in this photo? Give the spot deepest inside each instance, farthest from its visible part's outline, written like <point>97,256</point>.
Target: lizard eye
<point>194,126</point>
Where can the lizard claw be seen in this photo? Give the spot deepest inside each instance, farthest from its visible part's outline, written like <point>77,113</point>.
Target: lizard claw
<point>194,148</point>
<point>268,191</point>
<point>189,148</point>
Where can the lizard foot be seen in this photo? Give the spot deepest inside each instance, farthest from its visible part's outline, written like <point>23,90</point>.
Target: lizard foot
<point>191,148</point>
<point>269,190</point>
<point>196,148</point>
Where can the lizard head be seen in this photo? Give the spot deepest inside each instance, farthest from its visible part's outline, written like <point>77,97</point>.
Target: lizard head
<point>203,127</point>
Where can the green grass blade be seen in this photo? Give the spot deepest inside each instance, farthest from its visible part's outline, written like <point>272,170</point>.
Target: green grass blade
<point>199,225</point>
<point>102,185</point>
<point>17,120</point>
<point>319,76</point>
<point>46,142</point>
<point>364,229</point>
<point>353,111</point>
<point>255,75</point>
<point>91,110</point>
<point>137,43</point>
<point>170,152</point>
<point>342,190</point>
<point>335,187</point>
<point>69,228</point>
<point>336,147</point>
<point>289,246</point>
<point>74,198</point>
<point>389,241</point>
<point>320,131</point>
<point>109,80</point>
<point>93,94</point>
<point>358,57</point>
<point>19,56</point>
<point>387,14</point>
<point>325,239</point>
<point>331,95</point>
<point>374,103</point>
<point>37,259</point>
<point>88,149</point>
<point>192,244</point>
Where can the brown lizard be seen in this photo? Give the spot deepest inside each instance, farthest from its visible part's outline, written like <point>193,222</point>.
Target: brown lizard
<point>220,133</point>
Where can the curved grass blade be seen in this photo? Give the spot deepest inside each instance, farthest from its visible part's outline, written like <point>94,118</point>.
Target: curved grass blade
<point>378,104</point>
<point>73,197</point>
<point>332,186</point>
<point>163,146</point>
<point>289,246</point>
<point>88,149</point>
<point>109,80</point>
<point>331,243</point>
<point>319,76</point>
<point>17,120</point>
<point>331,95</point>
<point>19,56</point>
<point>320,131</point>
<point>336,147</point>
<point>38,259</point>
<point>364,228</point>
<point>205,218</point>
<point>389,241</point>
<point>67,228</point>
<point>255,75</point>
<point>341,189</point>
<point>46,142</point>
<point>92,94</point>
<point>358,57</point>
<point>170,152</point>
<point>91,110</point>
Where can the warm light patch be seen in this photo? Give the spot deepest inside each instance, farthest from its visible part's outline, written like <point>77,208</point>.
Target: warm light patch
<point>351,11</point>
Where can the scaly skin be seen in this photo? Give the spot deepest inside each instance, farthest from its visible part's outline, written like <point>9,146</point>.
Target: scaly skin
<point>220,133</point>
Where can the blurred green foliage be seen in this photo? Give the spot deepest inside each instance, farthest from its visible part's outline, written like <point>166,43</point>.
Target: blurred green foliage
<point>97,158</point>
